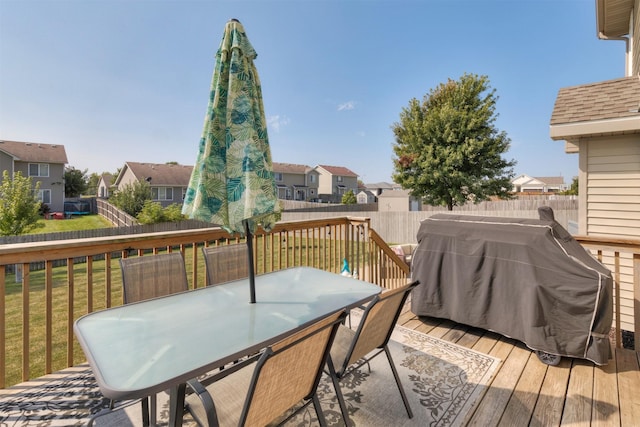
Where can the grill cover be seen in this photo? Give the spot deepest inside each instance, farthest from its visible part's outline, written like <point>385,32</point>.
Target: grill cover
<point>526,279</point>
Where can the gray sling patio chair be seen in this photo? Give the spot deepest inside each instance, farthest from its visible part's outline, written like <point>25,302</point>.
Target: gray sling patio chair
<point>285,374</point>
<point>226,263</point>
<point>146,277</point>
<point>353,348</point>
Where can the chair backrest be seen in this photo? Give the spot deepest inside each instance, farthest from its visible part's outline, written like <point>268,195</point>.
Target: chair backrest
<point>289,371</point>
<point>378,321</point>
<point>151,276</point>
<point>226,263</point>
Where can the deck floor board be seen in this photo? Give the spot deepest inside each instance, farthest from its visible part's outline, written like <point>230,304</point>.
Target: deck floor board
<point>526,392</point>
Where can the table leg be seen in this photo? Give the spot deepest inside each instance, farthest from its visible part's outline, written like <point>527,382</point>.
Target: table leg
<point>176,404</point>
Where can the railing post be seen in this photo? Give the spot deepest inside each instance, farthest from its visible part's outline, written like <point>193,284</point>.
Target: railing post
<point>636,300</point>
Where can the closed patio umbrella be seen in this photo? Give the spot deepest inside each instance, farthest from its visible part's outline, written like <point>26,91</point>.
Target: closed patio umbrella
<point>232,183</point>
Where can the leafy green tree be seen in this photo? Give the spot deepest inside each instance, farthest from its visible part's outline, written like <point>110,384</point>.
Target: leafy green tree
<point>349,198</point>
<point>19,207</point>
<point>153,212</point>
<point>447,148</point>
<point>131,197</point>
<point>173,213</point>
<point>573,190</point>
<point>92,184</point>
<point>75,182</point>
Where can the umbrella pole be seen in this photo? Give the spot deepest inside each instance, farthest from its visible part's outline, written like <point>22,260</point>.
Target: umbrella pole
<point>252,273</point>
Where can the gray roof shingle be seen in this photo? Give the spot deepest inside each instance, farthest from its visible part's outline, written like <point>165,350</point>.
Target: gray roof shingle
<point>611,99</point>
<point>35,152</point>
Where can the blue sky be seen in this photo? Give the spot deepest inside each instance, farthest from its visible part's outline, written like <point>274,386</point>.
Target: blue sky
<point>116,81</point>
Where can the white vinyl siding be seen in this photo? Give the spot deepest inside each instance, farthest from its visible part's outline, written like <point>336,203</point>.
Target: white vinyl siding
<point>612,205</point>
<point>613,187</point>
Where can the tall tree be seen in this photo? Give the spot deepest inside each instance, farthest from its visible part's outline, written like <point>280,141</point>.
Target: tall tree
<point>349,198</point>
<point>92,184</point>
<point>19,207</point>
<point>131,197</point>
<point>573,190</point>
<point>75,182</point>
<point>447,148</point>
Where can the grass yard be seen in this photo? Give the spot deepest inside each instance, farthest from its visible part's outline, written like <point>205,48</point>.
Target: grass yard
<point>76,222</point>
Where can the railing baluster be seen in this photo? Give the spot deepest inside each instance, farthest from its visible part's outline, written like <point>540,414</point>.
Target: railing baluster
<point>107,279</point>
<point>89,287</point>
<point>616,302</point>
<point>25,321</point>
<point>48,286</point>
<point>3,327</point>
<point>636,300</point>
<point>70,310</point>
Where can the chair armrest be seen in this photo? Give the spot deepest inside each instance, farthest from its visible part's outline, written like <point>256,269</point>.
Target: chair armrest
<point>207,401</point>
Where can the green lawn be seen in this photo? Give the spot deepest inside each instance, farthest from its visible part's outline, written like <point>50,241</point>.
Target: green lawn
<point>76,222</point>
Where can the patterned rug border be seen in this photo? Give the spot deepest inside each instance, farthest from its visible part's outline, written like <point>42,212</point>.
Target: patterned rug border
<point>35,403</point>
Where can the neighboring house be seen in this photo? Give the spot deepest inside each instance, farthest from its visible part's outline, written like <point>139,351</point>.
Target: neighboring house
<point>334,182</point>
<point>296,182</point>
<point>601,122</point>
<point>104,185</point>
<point>378,187</point>
<point>365,196</point>
<point>529,184</point>
<point>44,163</point>
<point>168,181</point>
<point>397,201</point>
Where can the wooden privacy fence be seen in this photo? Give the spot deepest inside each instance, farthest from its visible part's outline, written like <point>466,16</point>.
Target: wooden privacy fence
<point>37,315</point>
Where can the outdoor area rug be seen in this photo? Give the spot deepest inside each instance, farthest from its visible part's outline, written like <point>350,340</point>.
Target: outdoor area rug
<point>442,381</point>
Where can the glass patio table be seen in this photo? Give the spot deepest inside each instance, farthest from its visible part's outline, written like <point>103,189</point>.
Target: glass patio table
<point>140,349</point>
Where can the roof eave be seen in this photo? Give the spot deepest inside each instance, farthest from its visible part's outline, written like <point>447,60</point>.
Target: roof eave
<point>608,9</point>
<point>618,126</point>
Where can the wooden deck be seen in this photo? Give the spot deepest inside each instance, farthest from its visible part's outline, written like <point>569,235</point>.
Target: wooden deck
<point>526,392</point>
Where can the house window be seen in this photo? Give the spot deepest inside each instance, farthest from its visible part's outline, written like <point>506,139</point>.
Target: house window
<point>161,193</point>
<point>44,196</point>
<point>39,169</point>
<point>278,176</point>
<point>312,179</point>
<point>339,178</point>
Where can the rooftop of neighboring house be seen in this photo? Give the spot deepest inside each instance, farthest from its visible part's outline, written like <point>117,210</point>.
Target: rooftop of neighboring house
<point>549,180</point>
<point>337,170</point>
<point>290,168</point>
<point>34,152</point>
<point>107,178</point>
<point>160,174</point>
<point>385,186</point>
<point>394,194</point>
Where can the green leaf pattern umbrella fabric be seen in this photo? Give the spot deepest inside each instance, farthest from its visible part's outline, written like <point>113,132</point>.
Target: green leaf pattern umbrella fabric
<point>233,180</point>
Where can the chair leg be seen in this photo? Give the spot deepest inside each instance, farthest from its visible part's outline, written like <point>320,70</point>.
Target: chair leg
<point>399,384</point>
<point>336,386</point>
<point>319,413</point>
<point>153,408</point>
<point>145,411</point>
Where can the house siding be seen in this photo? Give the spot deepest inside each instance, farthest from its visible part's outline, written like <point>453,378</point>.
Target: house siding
<point>610,169</point>
<point>635,40</point>
<point>54,182</point>
<point>6,163</point>
<point>613,187</point>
